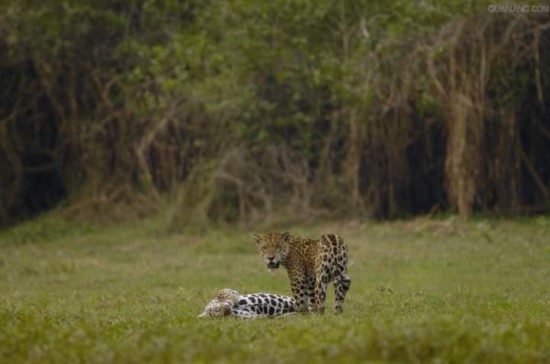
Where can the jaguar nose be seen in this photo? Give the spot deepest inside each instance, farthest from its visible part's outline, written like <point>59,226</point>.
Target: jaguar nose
<point>270,258</point>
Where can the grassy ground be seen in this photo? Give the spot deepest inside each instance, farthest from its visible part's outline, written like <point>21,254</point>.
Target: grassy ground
<point>422,291</point>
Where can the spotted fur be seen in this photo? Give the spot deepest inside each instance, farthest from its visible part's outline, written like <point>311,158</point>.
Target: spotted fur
<point>311,265</point>
<point>228,302</point>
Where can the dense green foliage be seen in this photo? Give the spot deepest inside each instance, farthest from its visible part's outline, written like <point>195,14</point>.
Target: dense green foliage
<point>251,110</point>
<point>422,291</point>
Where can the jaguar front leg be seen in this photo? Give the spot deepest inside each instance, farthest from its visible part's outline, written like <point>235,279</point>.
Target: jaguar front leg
<point>322,278</point>
<point>300,293</point>
<point>310,287</point>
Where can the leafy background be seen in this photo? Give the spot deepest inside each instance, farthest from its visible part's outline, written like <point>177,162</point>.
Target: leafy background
<point>260,112</point>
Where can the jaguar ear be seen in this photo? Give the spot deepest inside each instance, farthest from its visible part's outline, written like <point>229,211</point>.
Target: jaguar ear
<point>226,310</point>
<point>285,235</point>
<point>257,238</point>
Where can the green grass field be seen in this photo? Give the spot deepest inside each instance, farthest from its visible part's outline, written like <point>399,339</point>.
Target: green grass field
<point>422,291</point>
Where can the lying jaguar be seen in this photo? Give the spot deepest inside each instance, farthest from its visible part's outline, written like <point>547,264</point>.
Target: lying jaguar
<point>228,302</point>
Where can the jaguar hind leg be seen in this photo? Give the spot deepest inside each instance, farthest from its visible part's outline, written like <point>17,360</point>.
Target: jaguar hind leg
<point>342,283</point>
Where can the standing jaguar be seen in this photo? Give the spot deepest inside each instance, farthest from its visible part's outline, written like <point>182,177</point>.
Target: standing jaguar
<point>310,264</point>
<point>229,302</point>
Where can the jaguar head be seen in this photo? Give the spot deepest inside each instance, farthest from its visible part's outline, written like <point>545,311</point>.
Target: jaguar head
<point>216,308</point>
<point>273,248</point>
